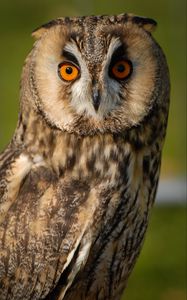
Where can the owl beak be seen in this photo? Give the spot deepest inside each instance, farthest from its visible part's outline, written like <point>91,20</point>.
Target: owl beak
<point>96,99</point>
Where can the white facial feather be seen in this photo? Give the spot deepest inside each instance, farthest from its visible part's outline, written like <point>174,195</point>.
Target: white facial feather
<point>82,88</point>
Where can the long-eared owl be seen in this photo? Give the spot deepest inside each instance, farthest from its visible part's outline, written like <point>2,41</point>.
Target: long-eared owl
<point>79,177</point>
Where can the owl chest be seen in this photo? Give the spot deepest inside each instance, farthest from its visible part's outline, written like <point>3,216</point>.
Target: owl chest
<point>95,159</point>
<point>112,172</point>
<point>124,187</point>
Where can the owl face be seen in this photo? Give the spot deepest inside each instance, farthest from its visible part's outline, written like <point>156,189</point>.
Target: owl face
<point>95,74</point>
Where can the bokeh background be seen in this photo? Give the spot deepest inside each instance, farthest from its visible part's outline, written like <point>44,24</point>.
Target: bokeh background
<point>160,273</point>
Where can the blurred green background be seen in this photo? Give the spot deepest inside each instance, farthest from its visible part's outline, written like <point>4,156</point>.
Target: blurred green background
<point>160,271</point>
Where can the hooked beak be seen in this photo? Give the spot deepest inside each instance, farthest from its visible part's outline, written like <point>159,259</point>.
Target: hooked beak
<point>96,99</point>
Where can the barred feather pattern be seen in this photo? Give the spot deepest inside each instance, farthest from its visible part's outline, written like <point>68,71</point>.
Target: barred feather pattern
<point>79,217</point>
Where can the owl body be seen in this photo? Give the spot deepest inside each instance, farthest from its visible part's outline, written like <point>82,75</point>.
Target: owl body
<point>79,177</point>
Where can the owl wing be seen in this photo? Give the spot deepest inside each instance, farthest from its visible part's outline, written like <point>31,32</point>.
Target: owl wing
<point>44,237</point>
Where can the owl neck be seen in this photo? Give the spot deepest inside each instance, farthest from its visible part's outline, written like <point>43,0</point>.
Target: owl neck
<point>100,155</point>
<point>103,155</point>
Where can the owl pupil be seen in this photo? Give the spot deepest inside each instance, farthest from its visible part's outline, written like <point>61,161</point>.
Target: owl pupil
<point>69,70</point>
<point>120,68</point>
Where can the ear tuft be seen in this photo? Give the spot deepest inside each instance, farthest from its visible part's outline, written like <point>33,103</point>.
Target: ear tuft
<point>146,23</point>
<point>38,32</point>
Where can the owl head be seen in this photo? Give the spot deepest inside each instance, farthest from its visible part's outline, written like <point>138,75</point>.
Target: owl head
<point>95,74</point>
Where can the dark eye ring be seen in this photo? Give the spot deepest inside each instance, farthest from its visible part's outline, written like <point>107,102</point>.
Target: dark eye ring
<point>68,71</point>
<point>121,69</point>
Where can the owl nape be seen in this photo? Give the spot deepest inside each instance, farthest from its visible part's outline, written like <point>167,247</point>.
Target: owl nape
<point>79,177</point>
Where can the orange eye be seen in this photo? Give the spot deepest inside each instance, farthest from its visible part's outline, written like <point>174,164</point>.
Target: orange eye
<point>68,71</point>
<point>121,69</point>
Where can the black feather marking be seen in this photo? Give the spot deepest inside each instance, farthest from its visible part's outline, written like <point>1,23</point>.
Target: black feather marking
<point>70,57</point>
<point>143,21</point>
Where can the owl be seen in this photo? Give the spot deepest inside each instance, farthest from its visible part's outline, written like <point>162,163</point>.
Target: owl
<point>79,177</point>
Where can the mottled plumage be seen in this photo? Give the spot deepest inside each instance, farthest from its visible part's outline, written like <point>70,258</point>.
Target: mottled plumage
<point>79,177</point>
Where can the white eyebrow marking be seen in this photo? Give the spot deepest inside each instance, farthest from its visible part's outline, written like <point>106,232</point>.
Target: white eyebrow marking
<point>73,49</point>
<point>114,44</point>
